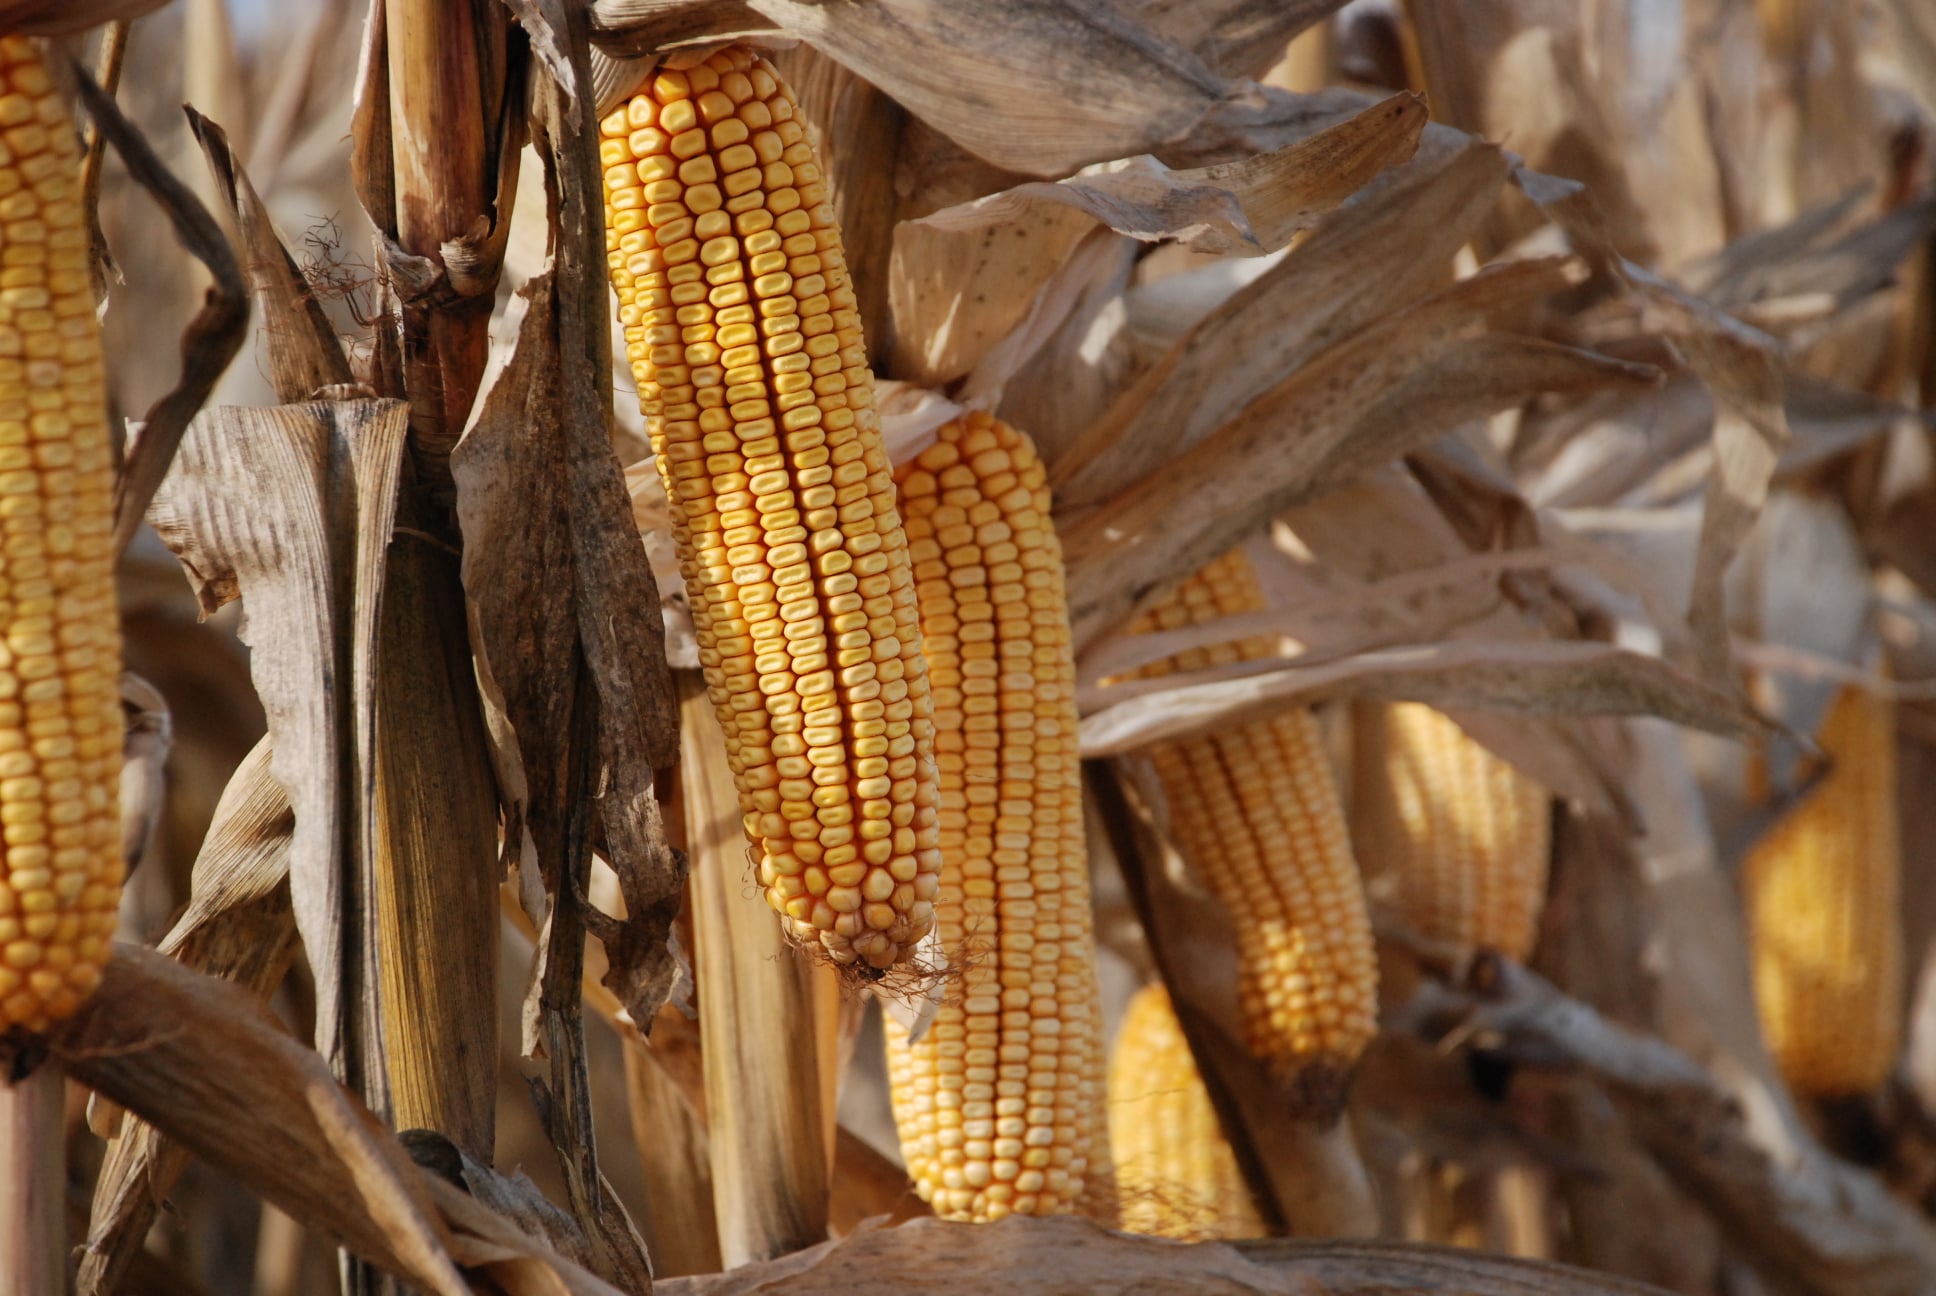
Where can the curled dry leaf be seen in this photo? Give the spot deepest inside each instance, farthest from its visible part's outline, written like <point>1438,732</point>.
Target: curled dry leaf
<point>292,508</point>
<point>1238,38</point>
<point>1252,206</point>
<point>1558,677</point>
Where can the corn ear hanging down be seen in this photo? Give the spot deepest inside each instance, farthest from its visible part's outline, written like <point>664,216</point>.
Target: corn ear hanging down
<point>1823,893</point>
<point>1175,1173</point>
<point>1254,809</point>
<point>741,326</point>
<point>997,1104</point>
<point>60,707</point>
<point>1459,837</point>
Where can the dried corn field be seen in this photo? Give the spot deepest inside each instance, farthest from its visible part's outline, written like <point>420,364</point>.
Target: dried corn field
<point>988,645</point>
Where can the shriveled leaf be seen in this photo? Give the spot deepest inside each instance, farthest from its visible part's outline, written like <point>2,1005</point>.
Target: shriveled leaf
<point>1037,1257</point>
<point>644,27</point>
<point>1558,677</point>
<point>1389,388</point>
<point>1340,280</point>
<point>513,1197</point>
<point>1252,206</point>
<point>292,508</point>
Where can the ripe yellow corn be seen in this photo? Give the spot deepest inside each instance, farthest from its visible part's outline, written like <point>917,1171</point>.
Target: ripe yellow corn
<point>60,706</point>
<point>1254,808</point>
<point>1460,837</point>
<point>997,1103</point>
<point>741,326</point>
<point>1175,1172</point>
<point>1823,896</point>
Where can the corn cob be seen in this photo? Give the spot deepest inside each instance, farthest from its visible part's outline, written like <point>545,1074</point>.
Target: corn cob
<point>1254,809</point>
<point>996,1104</point>
<point>1459,836</point>
<point>60,708</point>
<point>1823,893</point>
<point>1174,1169</point>
<point>741,327</point>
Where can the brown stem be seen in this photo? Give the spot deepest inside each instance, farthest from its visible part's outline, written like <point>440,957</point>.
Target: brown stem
<point>33,1175</point>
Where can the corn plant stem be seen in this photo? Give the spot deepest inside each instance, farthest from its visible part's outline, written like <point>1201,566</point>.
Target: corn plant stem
<point>33,1174</point>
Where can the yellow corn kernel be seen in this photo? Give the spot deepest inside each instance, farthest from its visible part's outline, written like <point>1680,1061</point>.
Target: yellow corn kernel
<point>1459,837</point>
<point>741,326</point>
<point>60,706</point>
<point>1254,808</point>
<point>1823,893</point>
<point>998,1104</point>
<point>1175,1172</point>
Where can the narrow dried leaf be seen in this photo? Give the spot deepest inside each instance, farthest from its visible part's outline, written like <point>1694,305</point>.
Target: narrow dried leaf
<point>293,508</point>
<point>1249,207</point>
<point>643,27</point>
<point>1339,281</point>
<point>1388,389</point>
<point>763,1102</point>
<point>1559,677</point>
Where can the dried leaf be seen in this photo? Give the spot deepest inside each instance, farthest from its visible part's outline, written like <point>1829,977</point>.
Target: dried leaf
<point>1386,390</point>
<point>209,341</point>
<point>209,1066</point>
<point>293,507</point>
<point>304,353</point>
<point>1250,207</point>
<point>68,17</point>
<point>644,27</point>
<point>1037,1257</point>
<point>1238,38</point>
<point>1558,677</point>
<point>238,926</point>
<point>1041,88</point>
<point>1339,281</point>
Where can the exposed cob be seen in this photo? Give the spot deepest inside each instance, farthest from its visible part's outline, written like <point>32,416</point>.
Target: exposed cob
<point>996,1104</point>
<point>1254,809</point>
<point>1823,897</point>
<point>1459,837</point>
<point>60,709</point>
<point>1175,1172</point>
<point>742,331</point>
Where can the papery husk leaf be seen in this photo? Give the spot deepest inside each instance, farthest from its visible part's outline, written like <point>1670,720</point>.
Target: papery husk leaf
<point>293,507</point>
